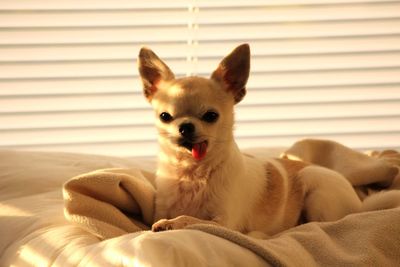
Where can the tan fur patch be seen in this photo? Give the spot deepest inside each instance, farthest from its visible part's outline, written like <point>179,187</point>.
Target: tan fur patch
<point>292,167</point>
<point>274,191</point>
<point>295,188</point>
<point>277,211</point>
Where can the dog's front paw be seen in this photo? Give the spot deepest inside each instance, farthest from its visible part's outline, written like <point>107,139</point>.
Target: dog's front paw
<point>173,224</point>
<point>162,225</point>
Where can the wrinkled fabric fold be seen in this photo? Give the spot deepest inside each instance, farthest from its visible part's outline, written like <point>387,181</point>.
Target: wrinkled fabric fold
<point>110,202</point>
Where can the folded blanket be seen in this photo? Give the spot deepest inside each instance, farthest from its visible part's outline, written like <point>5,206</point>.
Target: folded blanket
<point>110,202</point>
<point>114,202</point>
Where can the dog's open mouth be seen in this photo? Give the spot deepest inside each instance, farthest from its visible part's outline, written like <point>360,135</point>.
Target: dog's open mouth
<point>199,150</point>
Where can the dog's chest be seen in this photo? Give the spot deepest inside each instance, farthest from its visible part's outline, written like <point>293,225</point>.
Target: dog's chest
<point>192,198</point>
<point>186,197</point>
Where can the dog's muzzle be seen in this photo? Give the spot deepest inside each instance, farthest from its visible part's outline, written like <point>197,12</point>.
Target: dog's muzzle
<point>188,141</point>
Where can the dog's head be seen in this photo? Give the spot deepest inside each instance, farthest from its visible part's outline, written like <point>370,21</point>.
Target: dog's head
<point>194,114</point>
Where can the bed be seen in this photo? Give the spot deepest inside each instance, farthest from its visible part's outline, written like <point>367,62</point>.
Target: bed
<point>38,228</point>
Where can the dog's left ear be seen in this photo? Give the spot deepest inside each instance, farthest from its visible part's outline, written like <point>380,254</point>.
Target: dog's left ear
<point>233,72</point>
<point>152,71</point>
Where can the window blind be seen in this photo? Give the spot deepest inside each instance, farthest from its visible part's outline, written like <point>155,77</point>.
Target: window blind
<point>325,69</point>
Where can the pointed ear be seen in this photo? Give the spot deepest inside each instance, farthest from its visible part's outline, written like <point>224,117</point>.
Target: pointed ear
<point>152,70</point>
<point>233,71</point>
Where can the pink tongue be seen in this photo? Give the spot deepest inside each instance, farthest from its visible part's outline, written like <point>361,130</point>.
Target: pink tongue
<point>199,150</point>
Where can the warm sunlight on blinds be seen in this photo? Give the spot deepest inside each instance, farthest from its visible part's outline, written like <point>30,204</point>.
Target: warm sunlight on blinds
<point>68,77</point>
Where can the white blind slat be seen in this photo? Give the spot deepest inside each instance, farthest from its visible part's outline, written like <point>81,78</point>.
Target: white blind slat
<point>321,95</point>
<point>32,53</point>
<point>79,69</point>
<point>304,13</point>
<point>300,46</point>
<point>80,135</point>
<point>283,3</point>
<point>94,35</point>
<point>316,62</point>
<point>298,30</point>
<point>51,19</point>
<point>317,111</point>
<point>315,127</point>
<point>91,5</point>
<point>46,120</point>
<point>319,78</point>
<point>72,86</point>
<point>72,102</point>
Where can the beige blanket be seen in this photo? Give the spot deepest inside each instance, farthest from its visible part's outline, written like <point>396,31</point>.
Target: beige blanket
<point>110,202</point>
<point>114,202</point>
<point>365,239</point>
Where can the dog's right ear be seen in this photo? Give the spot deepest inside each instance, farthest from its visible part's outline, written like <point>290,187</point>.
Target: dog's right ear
<point>152,71</point>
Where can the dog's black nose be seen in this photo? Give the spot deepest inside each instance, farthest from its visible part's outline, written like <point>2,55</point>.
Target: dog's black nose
<point>186,129</point>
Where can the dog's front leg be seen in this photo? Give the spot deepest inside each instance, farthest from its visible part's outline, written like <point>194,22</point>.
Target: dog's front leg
<point>179,222</point>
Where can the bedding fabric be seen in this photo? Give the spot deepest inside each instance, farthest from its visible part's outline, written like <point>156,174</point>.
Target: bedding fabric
<point>109,230</point>
<point>34,231</point>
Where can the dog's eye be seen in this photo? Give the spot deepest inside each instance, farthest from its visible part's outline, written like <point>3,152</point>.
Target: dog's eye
<point>165,117</point>
<point>210,116</point>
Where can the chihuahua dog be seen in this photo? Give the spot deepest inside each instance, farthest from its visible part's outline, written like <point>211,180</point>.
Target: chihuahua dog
<point>202,176</point>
